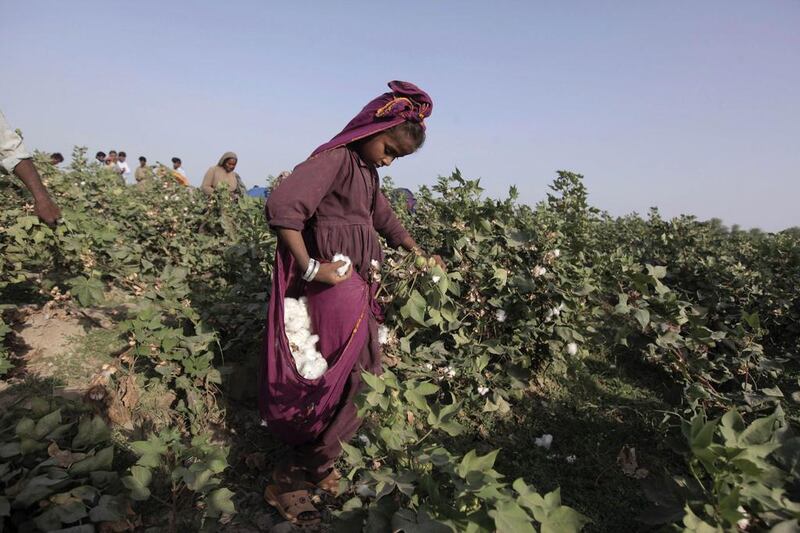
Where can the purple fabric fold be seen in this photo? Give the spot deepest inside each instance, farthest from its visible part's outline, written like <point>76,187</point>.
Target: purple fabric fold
<point>297,409</point>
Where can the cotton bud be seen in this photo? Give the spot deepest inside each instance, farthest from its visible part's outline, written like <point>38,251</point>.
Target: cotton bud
<point>572,348</point>
<point>420,262</point>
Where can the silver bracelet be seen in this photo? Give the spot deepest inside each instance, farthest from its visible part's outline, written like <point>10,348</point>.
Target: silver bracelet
<point>313,275</point>
<point>311,271</point>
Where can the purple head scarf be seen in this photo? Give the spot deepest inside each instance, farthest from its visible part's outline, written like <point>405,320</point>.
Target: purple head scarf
<point>405,102</point>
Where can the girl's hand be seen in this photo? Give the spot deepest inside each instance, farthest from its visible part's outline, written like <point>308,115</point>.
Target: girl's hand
<point>327,273</point>
<point>439,261</point>
<point>437,258</point>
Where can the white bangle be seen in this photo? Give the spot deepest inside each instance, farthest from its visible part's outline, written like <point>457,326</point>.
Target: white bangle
<point>311,271</point>
<point>316,269</point>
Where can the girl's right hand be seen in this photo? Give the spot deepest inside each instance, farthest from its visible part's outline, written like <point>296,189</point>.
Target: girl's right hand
<point>327,273</point>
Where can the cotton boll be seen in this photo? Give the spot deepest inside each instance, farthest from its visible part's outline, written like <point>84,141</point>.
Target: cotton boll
<point>545,441</point>
<point>500,315</point>
<point>436,279</point>
<point>314,369</point>
<point>383,335</point>
<point>572,348</point>
<point>312,341</point>
<point>342,270</point>
<point>539,271</point>
<point>483,391</point>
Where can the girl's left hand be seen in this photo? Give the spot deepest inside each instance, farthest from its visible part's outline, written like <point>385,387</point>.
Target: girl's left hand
<point>439,261</point>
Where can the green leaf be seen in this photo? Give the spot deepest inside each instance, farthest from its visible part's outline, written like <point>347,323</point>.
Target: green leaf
<point>100,461</point>
<point>375,382</point>
<point>47,423</point>
<point>138,482</point>
<point>471,462</point>
<point>510,517</point>
<point>220,501</point>
<point>89,291</point>
<point>564,520</point>
<point>108,509</point>
<point>91,431</point>
<point>758,432</point>
<point>702,439</point>
<point>642,316</point>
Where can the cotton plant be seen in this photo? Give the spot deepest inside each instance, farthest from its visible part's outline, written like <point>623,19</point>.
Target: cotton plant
<point>302,342</point>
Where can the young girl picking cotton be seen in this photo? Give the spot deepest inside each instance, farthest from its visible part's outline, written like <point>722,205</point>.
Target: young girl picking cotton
<point>330,204</point>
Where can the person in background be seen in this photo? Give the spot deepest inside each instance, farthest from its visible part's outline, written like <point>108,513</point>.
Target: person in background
<point>223,172</point>
<point>101,157</point>
<point>14,159</point>
<point>405,196</point>
<point>56,158</point>
<point>176,166</point>
<point>123,165</point>
<point>143,172</point>
<point>111,164</point>
<point>177,171</point>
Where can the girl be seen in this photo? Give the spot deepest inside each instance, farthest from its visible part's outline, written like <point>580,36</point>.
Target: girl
<point>332,203</point>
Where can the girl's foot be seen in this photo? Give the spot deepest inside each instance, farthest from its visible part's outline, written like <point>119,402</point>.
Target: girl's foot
<point>295,506</point>
<point>330,482</point>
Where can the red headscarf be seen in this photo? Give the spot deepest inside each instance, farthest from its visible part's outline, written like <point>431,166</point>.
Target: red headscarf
<point>405,102</point>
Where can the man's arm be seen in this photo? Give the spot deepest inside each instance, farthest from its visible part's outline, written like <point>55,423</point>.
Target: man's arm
<point>45,207</point>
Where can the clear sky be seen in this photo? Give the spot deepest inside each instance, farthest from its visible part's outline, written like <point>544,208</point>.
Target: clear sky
<point>693,107</point>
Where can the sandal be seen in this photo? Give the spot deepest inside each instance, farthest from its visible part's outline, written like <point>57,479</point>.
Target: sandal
<point>330,483</point>
<point>295,506</point>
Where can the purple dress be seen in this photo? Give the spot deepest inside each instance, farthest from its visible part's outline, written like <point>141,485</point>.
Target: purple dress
<point>334,199</point>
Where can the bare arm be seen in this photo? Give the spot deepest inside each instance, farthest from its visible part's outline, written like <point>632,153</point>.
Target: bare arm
<point>293,240</point>
<point>45,207</point>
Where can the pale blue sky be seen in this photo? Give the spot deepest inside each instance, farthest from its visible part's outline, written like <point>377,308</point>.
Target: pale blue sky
<point>689,106</point>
